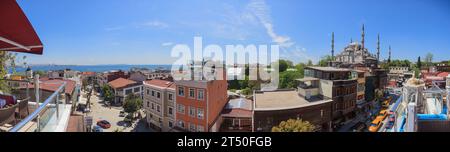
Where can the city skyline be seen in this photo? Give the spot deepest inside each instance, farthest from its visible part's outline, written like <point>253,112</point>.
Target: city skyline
<point>74,33</point>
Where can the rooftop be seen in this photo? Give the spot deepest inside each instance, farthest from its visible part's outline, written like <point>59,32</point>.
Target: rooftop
<point>308,79</point>
<point>121,82</point>
<point>88,73</point>
<point>161,83</point>
<point>283,99</point>
<point>331,69</point>
<point>53,85</point>
<point>239,107</point>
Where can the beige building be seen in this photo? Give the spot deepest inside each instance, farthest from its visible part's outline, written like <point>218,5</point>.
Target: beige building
<point>159,104</point>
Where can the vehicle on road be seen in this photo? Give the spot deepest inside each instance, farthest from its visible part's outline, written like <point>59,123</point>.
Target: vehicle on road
<point>104,124</point>
<point>382,115</point>
<point>375,125</point>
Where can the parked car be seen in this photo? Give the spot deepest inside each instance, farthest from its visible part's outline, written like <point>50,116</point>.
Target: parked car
<point>104,124</point>
<point>97,129</point>
<point>382,115</point>
<point>375,125</point>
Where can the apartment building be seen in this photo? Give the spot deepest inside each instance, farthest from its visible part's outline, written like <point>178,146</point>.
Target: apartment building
<point>123,87</point>
<point>200,102</point>
<point>337,84</point>
<point>306,103</point>
<point>361,87</point>
<point>159,104</point>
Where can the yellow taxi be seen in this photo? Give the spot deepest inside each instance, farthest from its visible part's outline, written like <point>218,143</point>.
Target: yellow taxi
<point>375,125</point>
<point>382,115</point>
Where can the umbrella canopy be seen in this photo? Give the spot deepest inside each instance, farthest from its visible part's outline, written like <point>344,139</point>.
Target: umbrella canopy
<point>16,32</point>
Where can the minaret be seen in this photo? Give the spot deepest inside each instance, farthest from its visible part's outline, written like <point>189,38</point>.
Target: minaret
<point>332,46</point>
<point>389,59</point>
<point>362,39</point>
<point>378,48</point>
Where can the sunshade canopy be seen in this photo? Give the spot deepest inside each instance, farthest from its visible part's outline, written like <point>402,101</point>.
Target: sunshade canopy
<point>16,32</point>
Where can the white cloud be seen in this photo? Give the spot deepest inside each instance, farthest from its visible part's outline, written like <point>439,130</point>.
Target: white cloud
<point>262,12</point>
<point>155,24</point>
<point>116,28</point>
<point>167,44</point>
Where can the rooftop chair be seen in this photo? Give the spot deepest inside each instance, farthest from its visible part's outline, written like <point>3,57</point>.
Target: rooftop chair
<point>7,116</point>
<point>23,109</point>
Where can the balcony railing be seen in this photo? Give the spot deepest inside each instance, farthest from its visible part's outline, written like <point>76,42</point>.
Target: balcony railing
<point>47,115</point>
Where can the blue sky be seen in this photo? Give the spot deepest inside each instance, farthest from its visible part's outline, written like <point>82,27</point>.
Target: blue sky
<point>144,31</point>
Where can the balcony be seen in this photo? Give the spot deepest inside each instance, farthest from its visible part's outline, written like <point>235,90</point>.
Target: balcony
<point>50,115</point>
<point>308,87</point>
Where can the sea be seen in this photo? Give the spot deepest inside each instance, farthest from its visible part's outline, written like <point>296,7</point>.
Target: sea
<point>92,68</point>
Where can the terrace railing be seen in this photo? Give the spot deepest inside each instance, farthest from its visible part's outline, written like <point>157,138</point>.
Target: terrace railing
<point>45,114</point>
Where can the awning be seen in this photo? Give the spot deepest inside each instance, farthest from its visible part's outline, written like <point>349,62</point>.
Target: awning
<point>16,32</point>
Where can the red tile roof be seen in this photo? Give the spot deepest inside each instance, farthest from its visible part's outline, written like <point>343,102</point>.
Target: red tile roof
<point>121,82</point>
<point>53,85</point>
<point>88,73</point>
<point>443,74</point>
<point>161,83</point>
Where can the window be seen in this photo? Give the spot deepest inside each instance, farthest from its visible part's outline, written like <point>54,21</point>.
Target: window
<point>137,89</point>
<point>128,91</point>
<point>200,113</point>
<point>153,93</point>
<point>158,108</point>
<point>160,120</point>
<point>200,94</point>
<point>170,124</point>
<point>170,96</point>
<point>191,92</point>
<point>181,91</point>
<point>192,127</point>
<point>158,95</point>
<point>153,106</point>
<point>148,92</point>
<point>170,111</point>
<point>192,111</point>
<point>180,109</point>
<point>200,128</point>
<point>181,123</point>
<point>148,104</point>
<point>151,116</point>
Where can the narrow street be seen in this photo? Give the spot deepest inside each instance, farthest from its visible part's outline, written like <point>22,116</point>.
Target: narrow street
<point>100,111</point>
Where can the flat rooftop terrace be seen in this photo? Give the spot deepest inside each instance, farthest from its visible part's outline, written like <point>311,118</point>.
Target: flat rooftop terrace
<point>283,99</point>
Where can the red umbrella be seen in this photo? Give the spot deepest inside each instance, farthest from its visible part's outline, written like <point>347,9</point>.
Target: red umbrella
<point>16,32</point>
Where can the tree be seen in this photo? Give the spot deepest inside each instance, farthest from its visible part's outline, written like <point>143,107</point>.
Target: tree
<point>419,63</point>
<point>132,103</point>
<point>288,79</point>
<point>246,91</point>
<point>108,94</point>
<point>310,63</point>
<point>429,59</point>
<point>7,63</point>
<point>40,72</point>
<point>294,125</point>
<point>325,60</point>
<point>284,65</point>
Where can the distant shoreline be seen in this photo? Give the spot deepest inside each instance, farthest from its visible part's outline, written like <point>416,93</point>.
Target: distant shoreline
<point>93,68</point>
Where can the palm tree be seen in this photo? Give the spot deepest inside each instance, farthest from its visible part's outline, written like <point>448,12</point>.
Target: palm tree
<point>294,125</point>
